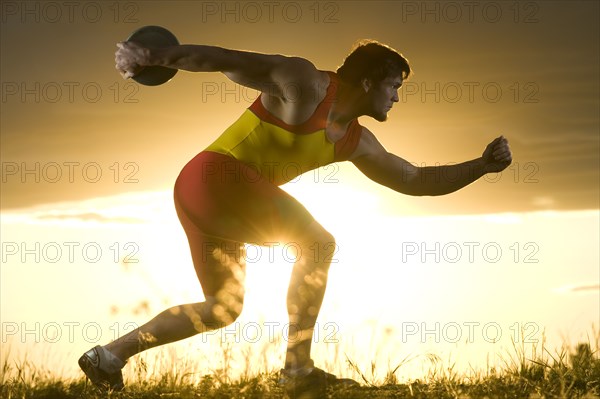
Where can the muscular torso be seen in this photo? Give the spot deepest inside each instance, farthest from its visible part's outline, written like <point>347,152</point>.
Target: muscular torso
<point>285,137</point>
<point>298,111</point>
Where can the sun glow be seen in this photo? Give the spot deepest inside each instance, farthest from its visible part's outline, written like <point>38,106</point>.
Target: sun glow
<point>397,286</point>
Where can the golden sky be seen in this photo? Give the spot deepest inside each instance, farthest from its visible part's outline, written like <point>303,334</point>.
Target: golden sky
<point>73,129</point>
<point>89,158</point>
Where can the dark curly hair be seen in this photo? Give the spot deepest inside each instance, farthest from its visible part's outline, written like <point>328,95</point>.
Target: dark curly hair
<point>373,60</point>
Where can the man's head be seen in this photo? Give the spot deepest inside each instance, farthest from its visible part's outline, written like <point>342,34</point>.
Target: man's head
<point>372,60</point>
<point>377,69</point>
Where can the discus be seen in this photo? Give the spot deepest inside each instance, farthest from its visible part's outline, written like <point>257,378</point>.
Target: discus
<point>152,36</point>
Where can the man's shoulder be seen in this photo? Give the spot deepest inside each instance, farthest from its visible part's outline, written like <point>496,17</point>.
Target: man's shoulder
<point>367,145</point>
<point>323,81</point>
<point>299,70</point>
<point>318,87</point>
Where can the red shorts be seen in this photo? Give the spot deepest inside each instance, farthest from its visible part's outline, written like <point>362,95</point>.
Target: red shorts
<point>223,203</point>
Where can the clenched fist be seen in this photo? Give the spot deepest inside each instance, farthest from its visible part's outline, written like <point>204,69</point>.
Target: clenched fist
<point>131,58</point>
<point>497,155</point>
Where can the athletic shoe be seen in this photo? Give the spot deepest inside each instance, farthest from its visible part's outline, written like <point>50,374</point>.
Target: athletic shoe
<point>95,364</point>
<point>312,385</point>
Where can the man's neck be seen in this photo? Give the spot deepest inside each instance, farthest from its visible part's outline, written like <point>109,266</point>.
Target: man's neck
<point>347,105</point>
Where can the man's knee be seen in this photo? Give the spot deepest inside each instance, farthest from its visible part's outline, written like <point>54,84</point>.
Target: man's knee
<point>319,246</point>
<point>217,313</point>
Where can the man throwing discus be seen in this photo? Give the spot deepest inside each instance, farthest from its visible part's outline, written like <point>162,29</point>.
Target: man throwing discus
<point>229,193</point>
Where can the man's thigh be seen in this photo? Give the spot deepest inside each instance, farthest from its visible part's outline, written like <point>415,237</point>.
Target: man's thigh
<point>226,199</point>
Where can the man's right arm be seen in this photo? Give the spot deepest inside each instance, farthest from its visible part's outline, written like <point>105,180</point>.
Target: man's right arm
<point>394,172</point>
<point>270,73</point>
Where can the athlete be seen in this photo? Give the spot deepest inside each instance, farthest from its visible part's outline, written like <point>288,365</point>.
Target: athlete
<point>229,193</point>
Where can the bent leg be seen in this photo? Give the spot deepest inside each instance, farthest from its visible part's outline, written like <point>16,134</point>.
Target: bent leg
<point>220,268</point>
<point>306,292</point>
<point>217,196</point>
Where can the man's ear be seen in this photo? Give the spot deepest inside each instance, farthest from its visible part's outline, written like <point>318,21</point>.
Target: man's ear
<point>366,84</point>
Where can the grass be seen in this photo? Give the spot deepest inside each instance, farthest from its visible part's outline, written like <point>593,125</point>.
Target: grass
<point>570,372</point>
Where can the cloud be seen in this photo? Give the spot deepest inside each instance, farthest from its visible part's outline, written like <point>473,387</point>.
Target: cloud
<point>89,217</point>
<point>579,289</point>
<point>585,288</point>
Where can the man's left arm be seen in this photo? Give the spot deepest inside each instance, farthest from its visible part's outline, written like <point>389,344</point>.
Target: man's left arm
<point>398,174</point>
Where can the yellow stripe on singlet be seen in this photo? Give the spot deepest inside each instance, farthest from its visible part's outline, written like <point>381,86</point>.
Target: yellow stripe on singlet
<point>277,153</point>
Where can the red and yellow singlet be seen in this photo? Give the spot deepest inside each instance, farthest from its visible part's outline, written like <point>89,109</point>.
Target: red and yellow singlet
<point>281,152</point>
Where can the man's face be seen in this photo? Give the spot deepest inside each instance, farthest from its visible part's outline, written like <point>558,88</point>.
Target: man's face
<point>383,95</point>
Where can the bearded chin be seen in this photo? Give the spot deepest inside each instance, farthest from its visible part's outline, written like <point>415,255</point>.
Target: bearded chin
<point>379,116</point>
